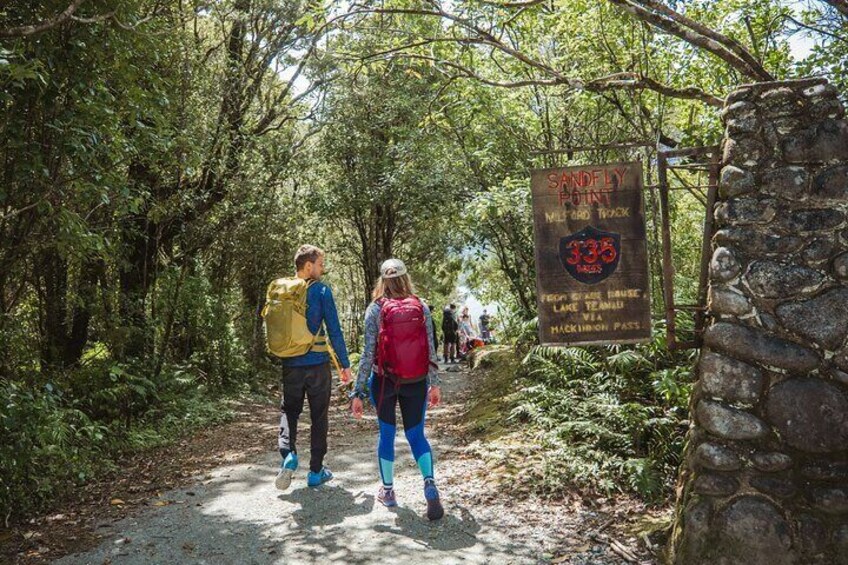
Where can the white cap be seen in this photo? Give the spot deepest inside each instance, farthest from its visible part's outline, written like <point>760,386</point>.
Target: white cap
<point>392,268</point>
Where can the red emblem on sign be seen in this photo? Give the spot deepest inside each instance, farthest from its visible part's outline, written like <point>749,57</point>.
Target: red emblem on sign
<point>590,255</point>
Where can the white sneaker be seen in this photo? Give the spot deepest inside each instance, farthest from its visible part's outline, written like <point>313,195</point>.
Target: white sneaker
<point>284,477</point>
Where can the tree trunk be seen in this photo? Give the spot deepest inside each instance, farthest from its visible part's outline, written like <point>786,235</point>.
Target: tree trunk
<point>64,326</point>
<point>138,273</point>
<point>377,232</point>
<point>90,273</point>
<point>53,287</point>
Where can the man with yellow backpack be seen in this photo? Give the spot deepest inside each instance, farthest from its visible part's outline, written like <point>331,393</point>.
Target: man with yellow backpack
<point>300,314</point>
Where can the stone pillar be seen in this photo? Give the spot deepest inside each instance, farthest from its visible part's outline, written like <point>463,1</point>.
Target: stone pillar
<point>765,476</point>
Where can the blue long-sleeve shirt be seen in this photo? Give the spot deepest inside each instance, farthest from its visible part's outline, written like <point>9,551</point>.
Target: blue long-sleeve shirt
<point>321,312</point>
<point>372,331</point>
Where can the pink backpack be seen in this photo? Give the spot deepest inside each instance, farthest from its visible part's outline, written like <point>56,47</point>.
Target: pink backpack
<point>403,350</point>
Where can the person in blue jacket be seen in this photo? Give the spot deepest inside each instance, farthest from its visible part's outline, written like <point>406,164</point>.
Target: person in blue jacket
<point>309,375</point>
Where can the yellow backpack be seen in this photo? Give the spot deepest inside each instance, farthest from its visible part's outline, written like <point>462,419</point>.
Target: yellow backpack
<point>286,331</point>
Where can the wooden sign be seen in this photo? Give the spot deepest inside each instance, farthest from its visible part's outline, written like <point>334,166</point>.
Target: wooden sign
<point>592,275</point>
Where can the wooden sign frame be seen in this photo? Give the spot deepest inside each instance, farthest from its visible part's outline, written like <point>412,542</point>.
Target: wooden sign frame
<point>592,274</point>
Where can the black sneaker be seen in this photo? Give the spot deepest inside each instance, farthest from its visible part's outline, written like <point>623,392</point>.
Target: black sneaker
<point>435,511</point>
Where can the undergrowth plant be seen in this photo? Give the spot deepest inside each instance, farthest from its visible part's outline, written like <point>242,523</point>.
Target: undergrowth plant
<point>610,419</point>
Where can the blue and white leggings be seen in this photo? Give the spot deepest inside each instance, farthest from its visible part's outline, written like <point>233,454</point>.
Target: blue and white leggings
<point>412,397</point>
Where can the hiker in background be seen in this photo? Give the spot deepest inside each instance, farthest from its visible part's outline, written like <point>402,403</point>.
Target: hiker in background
<point>466,334</point>
<point>300,314</point>
<point>485,332</point>
<point>433,326</point>
<point>449,333</point>
<point>400,366</point>
<point>466,313</point>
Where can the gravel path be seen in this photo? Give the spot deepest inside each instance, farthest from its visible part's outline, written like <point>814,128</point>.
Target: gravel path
<point>235,515</point>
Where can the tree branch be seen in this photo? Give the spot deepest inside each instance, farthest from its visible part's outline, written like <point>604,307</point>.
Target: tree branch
<point>627,81</point>
<point>630,81</point>
<point>113,16</point>
<point>485,38</point>
<point>636,82</point>
<point>32,29</point>
<point>522,4</point>
<point>840,5</point>
<point>814,29</point>
<point>731,44</point>
<point>692,36</point>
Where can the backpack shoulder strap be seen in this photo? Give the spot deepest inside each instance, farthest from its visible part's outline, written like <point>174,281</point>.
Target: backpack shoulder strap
<point>381,304</point>
<point>378,350</point>
<point>303,287</point>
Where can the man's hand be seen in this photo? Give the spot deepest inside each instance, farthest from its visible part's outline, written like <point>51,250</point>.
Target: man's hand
<point>356,407</point>
<point>346,376</point>
<point>435,396</point>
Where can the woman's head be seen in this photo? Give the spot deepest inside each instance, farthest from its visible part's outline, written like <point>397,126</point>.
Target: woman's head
<point>394,281</point>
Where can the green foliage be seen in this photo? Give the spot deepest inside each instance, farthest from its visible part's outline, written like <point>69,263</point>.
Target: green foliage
<point>44,446</point>
<point>826,30</point>
<point>610,419</point>
<point>59,436</point>
<point>147,201</point>
<point>386,181</point>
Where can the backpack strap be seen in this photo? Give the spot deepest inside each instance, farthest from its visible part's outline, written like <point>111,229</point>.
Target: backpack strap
<point>320,344</point>
<point>381,373</point>
<point>379,358</point>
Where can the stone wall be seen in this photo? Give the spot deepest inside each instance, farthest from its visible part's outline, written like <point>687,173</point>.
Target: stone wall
<point>765,478</point>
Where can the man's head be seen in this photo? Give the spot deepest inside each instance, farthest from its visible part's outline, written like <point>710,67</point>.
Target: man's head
<point>452,306</point>
<point>485,312</point>
<point>309,262</point>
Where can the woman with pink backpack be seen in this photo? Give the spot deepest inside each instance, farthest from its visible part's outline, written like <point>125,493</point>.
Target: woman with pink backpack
<point>400,366</point>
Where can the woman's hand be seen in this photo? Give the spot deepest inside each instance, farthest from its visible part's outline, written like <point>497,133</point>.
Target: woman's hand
<point>357,407</point>
<point>435,396</point>
<point>346,376</point>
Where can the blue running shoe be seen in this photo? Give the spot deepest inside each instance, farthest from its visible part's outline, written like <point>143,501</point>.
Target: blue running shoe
<point>284,477</point>
<point>435,511</point>
<point>319,478</point>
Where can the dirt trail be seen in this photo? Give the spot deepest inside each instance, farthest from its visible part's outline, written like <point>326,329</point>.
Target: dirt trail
<point>235,515</point>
